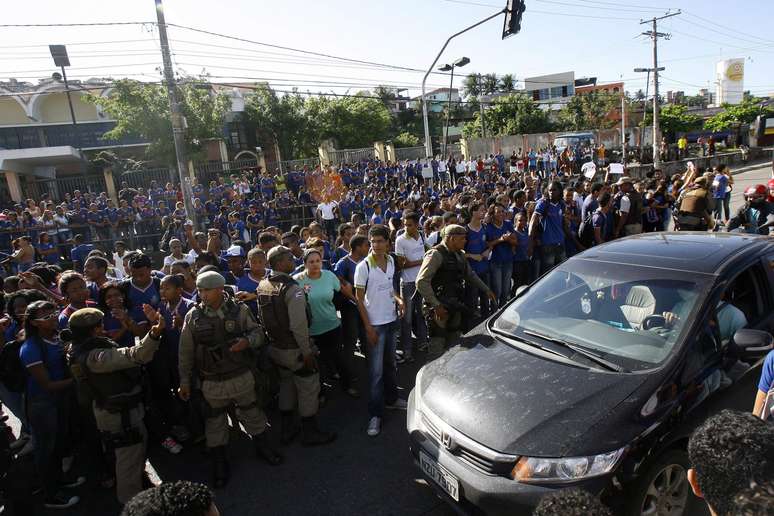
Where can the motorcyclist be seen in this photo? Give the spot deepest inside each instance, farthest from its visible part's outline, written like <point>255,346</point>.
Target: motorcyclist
<point>757,214</point>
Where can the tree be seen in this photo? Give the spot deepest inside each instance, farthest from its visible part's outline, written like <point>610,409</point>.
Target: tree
<point>283,120</point>
<point>142,110</point>
<point>489,84</point>
<point>406,140</point>
<point>743,113</point>
<point>515,113</point>
<point>674,119</point>
<point>354,122</point>
<point>470,86</point>
<point>588,111</point>
<point>507,83</point>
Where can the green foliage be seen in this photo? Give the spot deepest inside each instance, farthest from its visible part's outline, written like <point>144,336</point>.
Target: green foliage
<point>142,110</point>
<point>743,113</point>
<point>405,139</point>
<point>587,111</point>
<point>510,114</point>
<point>470,86</point>
<point>674,119</point>
<point>354,122</point>
<point>283,120</point>
<point>507,83</point>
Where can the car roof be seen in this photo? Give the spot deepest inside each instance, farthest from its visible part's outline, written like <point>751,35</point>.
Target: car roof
<point>694,252</point>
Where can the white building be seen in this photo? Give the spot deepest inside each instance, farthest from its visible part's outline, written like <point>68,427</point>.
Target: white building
<point>729,81</point>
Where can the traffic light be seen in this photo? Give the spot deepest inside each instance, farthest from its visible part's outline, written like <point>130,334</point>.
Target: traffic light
<point>513,13</point>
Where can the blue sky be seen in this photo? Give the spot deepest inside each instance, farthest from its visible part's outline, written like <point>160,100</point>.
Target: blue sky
<point>593,38</point>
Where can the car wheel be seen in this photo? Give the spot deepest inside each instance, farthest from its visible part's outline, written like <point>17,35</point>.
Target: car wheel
<point>664,489</point>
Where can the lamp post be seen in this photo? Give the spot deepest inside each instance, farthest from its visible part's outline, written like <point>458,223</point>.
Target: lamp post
<point>59,53</point>
<point>655,113</point>
<point>459,63</point>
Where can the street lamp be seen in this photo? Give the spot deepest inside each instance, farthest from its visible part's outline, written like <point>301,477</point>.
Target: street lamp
<point>59,53</point>
<point>459,63</point>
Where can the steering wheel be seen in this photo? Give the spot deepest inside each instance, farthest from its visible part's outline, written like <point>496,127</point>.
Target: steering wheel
<point>653,321</point>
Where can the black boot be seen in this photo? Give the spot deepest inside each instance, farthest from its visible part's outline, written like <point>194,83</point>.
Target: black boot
<point>290,427</point>
<point>264,450</point>
<point>221,471</point>
<point>311,435</point>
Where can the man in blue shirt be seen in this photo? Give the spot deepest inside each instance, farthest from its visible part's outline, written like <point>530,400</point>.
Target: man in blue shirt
<point>549,220</point>
<point>590,203</point>
<point>500,238</point>
<point>79,253</point>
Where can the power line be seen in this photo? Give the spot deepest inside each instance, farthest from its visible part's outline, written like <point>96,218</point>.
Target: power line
<point>553,13</point>
<point>78,43</point>
<point>92,24</point>
<point>736,32</point>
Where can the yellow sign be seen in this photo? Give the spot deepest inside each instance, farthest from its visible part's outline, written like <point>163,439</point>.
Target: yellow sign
<point>735,71</point>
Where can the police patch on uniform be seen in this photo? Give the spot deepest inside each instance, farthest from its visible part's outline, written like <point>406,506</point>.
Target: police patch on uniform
<point>231,326</point>
<point>300,293</point>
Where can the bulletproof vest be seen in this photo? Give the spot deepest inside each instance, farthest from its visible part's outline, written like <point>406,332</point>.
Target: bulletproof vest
<point>273,310</point>
<point>694,202</point>
<point>447,282</point>
<point>635,206</point>
<point>116,391</point>
<point>214,336</point>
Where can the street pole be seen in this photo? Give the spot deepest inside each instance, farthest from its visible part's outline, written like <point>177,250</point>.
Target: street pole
<point>642,129</point>
<point>72,111</point>
<point>428,142</point>
<point>448,114</point>
<point>481,106</point>
<point>623,129</point>
<point>654,34</point>
<point>178,127</point>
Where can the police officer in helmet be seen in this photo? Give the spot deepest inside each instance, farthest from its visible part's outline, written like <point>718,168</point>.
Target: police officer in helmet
<point>111,377</point>
<point>218,341</point>
<point>439,283</point>
<point>283,309</point>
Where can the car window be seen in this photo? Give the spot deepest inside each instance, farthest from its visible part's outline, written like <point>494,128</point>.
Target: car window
<point>746,293</point>
<point>632,315</point>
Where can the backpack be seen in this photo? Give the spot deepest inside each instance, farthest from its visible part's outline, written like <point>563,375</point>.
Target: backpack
<point>586,230</point>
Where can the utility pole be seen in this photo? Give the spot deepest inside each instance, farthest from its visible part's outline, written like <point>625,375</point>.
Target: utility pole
<point>481,106</point>
<point>654,34</point>
<point>178,120</point>
<point>623,129</point>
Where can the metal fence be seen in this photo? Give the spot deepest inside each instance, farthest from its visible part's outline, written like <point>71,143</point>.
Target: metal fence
<point>286,166</point>
<point>351,155</point>
<point>142,178</point>
<point>404,153</point>
<point>212,170</point>
<point>56,188</point>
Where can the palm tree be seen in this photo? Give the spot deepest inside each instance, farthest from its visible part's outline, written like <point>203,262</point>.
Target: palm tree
<point>489,83</point>
<point>470,87</point>
<point>507,83</point>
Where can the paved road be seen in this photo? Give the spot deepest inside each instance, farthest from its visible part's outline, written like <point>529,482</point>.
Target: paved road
<point>355,475</point>
<point>752,175</point>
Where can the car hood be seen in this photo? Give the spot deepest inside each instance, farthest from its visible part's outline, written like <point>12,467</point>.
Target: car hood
<point>518,403</point>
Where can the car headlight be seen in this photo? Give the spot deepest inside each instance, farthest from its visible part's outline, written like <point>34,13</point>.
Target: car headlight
<point>567,469</point>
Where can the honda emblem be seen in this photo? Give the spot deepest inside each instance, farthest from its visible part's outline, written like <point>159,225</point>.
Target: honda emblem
<point>446,440</point>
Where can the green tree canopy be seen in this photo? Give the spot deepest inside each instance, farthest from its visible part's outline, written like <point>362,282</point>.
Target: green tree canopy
<point>510,114</point>
<point>142,110</point>
<point>354,122</point>
<point>743,113</point>
<point>282,118</point>
<point>588,111</point>
<point>674,119</point>
<point>406,140</point>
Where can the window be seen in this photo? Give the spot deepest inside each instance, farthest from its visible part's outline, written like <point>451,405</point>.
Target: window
<point>535,95</point>
<point>564,91</point>
<point>556,92</point>
<point>615,90</point>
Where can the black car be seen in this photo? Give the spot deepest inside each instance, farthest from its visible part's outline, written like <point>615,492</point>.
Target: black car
<point>596,374</point>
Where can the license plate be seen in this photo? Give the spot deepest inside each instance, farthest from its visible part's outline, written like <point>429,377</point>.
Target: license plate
<point>440,476</point>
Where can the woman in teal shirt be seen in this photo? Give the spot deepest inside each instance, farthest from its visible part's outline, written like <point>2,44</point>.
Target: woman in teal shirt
<point>320,286</point>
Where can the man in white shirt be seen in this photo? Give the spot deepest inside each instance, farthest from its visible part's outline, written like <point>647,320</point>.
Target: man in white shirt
<point>379,307</point>
<point>410,250</point>
<point>327,212</point>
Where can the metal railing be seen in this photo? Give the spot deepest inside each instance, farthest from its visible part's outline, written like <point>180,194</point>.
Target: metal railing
<point>404,153</point>
<point>351,155</point>
<point>56,188</point>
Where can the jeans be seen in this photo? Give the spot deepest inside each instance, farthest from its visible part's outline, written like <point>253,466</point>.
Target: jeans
<point>382,371</point>
<point>500,275</point>
<point>551,256</point>
<point>412,318</point>
<point>48,418</point>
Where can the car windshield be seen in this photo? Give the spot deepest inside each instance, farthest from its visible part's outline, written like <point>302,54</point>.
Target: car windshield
<point>632,316</point>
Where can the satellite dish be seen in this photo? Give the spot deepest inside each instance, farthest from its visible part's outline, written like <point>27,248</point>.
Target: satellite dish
<point>56,76</point>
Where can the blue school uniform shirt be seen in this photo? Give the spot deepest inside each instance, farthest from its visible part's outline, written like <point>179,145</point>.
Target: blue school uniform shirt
<point>551,221</point>
<point>171,335</point>
<point>345,269</point>
<point>247,283</point>
<point>50,353</point>
<point>476,244</point>
<point>142,296</point>
<point>111,325</point>
<point>501,253</point>
<point>520,253</point>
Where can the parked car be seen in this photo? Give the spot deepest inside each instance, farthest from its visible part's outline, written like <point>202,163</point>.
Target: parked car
<point>596,374</point>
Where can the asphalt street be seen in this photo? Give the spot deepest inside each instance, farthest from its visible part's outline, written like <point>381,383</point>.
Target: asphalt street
<point>356,475</point>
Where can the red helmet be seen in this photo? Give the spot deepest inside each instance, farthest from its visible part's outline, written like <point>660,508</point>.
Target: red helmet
<point>756,192</point>
<point>771,190</point>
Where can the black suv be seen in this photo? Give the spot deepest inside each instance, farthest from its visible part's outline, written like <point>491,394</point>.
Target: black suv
<point>596,374</point>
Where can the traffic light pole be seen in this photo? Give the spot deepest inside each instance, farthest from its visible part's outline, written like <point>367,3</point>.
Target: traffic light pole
<point>428,142</point>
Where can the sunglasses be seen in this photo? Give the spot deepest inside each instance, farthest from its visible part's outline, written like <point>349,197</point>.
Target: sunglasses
<point>52,315</point>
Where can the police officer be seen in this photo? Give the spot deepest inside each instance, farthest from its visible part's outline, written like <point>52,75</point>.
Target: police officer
<point>694,212</point>
<point>218,338</point>
<point>283,309</point>
<point>439,284</point>
<point>111,377</point>
<point>628,203</point>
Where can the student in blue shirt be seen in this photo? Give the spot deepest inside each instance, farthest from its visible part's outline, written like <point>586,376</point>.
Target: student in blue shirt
<point>549,215</point>
<point>48,394</point>
<point>47,250</point>
<point>500,239</point>
<point>477,254</point>
<point>521,265</point>
<point>141,289</point>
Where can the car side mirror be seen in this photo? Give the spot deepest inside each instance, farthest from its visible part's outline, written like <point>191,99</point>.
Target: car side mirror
<point>753,344</point>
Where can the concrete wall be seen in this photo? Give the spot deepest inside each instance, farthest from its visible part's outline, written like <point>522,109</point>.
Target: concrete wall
<point>12,113</point>
<point>54,109</point>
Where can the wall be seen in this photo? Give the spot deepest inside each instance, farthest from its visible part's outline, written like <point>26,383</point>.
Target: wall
<point>12,113</point>
<point>54,108</point>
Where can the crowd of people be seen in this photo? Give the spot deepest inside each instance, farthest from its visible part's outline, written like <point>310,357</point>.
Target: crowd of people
<point>152,325</point>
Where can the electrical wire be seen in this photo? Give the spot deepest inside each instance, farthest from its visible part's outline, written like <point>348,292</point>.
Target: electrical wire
<point>91,24</point>
<point>553,13</point>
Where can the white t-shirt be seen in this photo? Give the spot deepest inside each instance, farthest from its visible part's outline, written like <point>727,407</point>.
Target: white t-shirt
<point>327,210</point>
<point>626,204</point>
<point>412,250</point>
<point>461,167</point>
<point>427,171</point>
<point>441,166</point>
<point>169,260</point>
<point>589,170</point>
<point>379,290</point>
<point>433,239</point>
